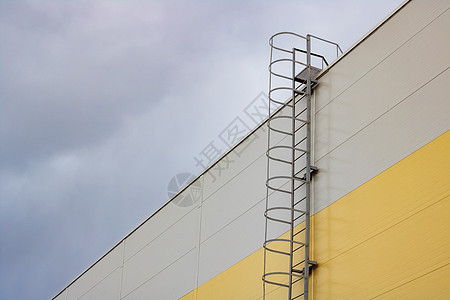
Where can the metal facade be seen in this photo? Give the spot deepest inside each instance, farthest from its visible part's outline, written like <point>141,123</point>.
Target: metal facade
<point>381,141</point>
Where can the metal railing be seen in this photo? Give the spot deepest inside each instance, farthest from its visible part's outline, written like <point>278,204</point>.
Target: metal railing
<point>287,261</point>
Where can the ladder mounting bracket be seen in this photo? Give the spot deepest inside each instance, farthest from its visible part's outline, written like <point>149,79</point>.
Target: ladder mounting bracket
<point>312,264</point>
<point>313,172</point>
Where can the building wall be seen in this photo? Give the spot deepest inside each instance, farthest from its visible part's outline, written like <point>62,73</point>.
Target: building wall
<point>387,239</point>
<point>380,200</point>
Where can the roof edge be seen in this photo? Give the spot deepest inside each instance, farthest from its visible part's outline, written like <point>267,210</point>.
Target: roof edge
<point>366,36</point>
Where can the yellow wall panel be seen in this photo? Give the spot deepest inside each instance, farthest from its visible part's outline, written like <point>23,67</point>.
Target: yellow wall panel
<point>404,252</point>
<point>191,296</point>
<point>387,239</point>
<point>404,189</point>
<point>243,280</point>
<point>433,285</point>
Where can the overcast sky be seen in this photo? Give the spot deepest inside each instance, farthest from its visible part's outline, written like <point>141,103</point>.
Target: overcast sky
<point>103,102</point>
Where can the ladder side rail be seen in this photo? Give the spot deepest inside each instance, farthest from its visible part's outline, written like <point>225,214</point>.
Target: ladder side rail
<point>291,234</point>
<point>308,169</point>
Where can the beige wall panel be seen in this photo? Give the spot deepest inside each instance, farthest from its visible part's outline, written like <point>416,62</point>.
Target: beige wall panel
<point>233,199</point>
<point>233,243</point>
<point>97,273</point>
<point>156,225</point>
<point>389,83</point>
<point>254,147</point>
<point>107,289</point>
<point>383,42</point>
<point>235,162</point>
<point>232,212</point>
<point>173,282</point>
<point>408,126</point>
<point>178,240</point>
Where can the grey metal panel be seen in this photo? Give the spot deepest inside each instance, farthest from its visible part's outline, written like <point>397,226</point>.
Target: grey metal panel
<point>232,219</point>
<point>99,272</point>
<point>383,87</point>
<point>412,18</point>
<point>232,199</point>
<point>233,163</point>
<point>234,242</point>
<point>107,289</point>
<point>414,122</point>
<point>396,81</point>
<point>173,282</point>
<point>167,248</point>
<point>157,225</point>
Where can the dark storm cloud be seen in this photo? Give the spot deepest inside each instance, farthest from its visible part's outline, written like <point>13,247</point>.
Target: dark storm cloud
<point>102,102</point>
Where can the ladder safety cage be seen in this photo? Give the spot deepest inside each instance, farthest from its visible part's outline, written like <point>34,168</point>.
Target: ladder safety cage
<point>292,72</point>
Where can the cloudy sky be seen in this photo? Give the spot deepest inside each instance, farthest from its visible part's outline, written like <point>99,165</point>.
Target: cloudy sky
<point>103,102</point>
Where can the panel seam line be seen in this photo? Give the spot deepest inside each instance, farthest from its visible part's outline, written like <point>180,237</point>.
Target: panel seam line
<point>409,281</point>
<point>148,279</point>
<point>382,115</point>
<point>395,50</point>
<point>386,229</point>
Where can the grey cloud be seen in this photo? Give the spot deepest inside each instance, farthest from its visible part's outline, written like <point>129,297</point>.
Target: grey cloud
<point>71,87</point>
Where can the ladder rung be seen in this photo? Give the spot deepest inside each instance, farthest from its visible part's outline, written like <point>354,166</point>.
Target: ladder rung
<point>302,140</point>
<point>297,296</point>
<point>299,247</point>
<point>297,280</point>
<point>301,98</point>
<point>301,215</point>
<point>301,170</point>
<point>300,186</point>
<point>303,110</point>
<point>299,232</point>
<point>298,264</point>
<point>301,126</point>
<point>300,156</point>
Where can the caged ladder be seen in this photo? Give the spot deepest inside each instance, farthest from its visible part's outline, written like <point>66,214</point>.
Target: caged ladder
<point>287,264</point>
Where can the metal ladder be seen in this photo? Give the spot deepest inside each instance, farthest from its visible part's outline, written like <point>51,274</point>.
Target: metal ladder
<point>287,263</point>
